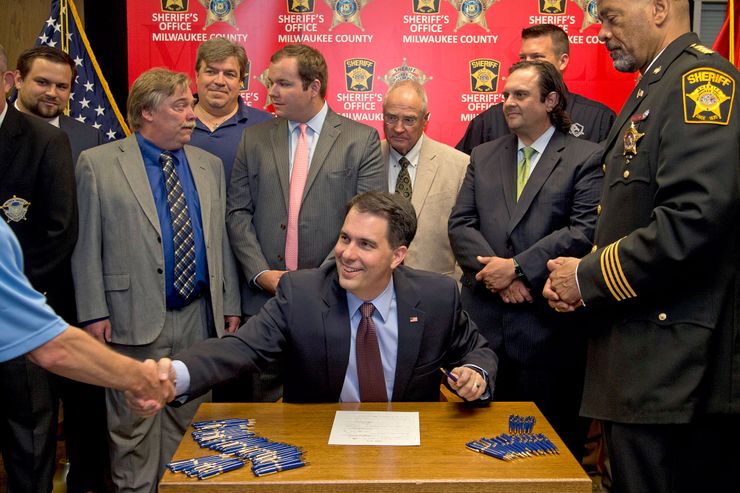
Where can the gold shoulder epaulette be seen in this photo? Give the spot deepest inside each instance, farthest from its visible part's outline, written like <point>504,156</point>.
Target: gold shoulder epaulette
<point>700,48</point>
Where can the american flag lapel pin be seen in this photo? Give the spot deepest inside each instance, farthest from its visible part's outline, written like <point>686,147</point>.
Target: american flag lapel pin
<point>413,319</point>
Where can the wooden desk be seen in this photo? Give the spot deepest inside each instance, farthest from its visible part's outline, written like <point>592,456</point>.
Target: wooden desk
<point>440,464</point>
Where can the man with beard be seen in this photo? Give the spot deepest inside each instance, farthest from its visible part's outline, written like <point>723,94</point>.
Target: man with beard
<point>43,80</point>
<point>37,199</point>
<point>662,281</point>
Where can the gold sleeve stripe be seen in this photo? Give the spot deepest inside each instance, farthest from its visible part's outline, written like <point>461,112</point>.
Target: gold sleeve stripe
<point>615,270</point>
<point>611,270</point>
<point>606,276</point>
<point>627,285</point>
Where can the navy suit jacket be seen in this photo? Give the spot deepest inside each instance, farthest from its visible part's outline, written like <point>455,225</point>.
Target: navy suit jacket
<point>555,216</point>
<point>307,324</point>
<point>81,136</point>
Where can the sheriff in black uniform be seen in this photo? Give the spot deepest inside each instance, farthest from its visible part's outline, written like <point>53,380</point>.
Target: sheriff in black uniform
<point>591,120</point>
<point>662,281</point>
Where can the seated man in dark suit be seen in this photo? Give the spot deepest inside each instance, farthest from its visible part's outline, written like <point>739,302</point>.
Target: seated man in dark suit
<point>364,328</point>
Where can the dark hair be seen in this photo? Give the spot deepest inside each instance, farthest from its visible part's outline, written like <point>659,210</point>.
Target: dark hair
<point>398,211</point>
<point>550,80</point>
<point>559,38</point>
<point>311,64</point>
<point>54,55</point>
<point>219,49</point>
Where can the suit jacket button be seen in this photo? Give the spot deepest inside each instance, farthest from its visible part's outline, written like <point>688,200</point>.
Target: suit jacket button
<point>159,239</point>
<point>603,168</point>
<point>280,258</point>
<point>159,271</point>
<point>283,226</point>
<point>626,174</point>
<point>662,317</point>
<point>594,248</point>
<point>598,209</point>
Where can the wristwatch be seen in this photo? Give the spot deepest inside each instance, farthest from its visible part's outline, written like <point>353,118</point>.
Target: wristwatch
<point>518,272</point>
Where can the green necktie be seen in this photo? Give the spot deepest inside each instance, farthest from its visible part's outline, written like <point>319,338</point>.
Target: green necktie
<point>522,173</point>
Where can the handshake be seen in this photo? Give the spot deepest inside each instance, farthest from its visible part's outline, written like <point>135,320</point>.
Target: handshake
<point>152,387</point>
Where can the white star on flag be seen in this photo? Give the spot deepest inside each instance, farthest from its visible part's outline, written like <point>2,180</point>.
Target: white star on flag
<point>63,30</point>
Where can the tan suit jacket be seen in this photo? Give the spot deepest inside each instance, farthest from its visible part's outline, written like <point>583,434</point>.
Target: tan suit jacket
<point>118,261</point>
<point>439,175</point>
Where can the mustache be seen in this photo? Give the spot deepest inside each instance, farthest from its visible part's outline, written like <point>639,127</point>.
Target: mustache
<point>190,125</point>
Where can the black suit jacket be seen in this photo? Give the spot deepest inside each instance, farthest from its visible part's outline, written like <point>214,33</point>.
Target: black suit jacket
<point>36,165</point>
<point>308,323</point>
<point>81,136</point>
<point>555,216</point>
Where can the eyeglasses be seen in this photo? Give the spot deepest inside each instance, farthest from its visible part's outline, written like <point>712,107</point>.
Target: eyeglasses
<point>407,121</point>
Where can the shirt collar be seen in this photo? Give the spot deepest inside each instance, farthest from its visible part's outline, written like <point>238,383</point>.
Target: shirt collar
<point>315,123</point>
<point>3,113</point>
<point>653,61</point>
<point>54,121</point>
<point>151,151</point>
<point>540,144</point>
<point>412,155</point>
<point>382,302</point>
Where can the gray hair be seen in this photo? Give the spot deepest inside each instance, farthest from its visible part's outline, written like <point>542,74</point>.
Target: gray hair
<point>150,89</point>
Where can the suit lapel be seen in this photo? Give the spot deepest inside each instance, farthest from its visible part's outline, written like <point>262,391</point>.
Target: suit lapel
<point>132,165</point>
<point>508,173</point>
<point>328,135</point>
<point>336,334</point>
<point>202,187</point>
<point>410,332</point>
<point>549,159</point>
<point>426,170</point>
<point>281,155</point>
<point>9,137</point>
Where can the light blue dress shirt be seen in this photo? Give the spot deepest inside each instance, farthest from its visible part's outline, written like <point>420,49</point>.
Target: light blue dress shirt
<point>385,317</point>
<point>315,125</point>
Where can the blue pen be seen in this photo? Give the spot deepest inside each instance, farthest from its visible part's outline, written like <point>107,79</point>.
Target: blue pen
<point>449,375</point>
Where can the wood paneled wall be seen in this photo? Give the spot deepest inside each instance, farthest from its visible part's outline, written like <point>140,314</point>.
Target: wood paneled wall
<point>21,21</point>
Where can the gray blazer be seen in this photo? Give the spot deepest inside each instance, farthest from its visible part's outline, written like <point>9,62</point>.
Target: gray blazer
<point>345,162</point>
<point>439,175</point>
<point>118,260</point>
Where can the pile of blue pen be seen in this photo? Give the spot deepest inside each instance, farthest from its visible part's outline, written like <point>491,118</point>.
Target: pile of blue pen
<point>238,444</point>
<point>519,443</point>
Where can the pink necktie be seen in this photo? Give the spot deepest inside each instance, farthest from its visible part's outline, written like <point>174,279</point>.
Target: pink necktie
<point>297,184</point>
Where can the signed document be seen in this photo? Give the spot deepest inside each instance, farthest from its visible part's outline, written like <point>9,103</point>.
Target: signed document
<point>375,428</point>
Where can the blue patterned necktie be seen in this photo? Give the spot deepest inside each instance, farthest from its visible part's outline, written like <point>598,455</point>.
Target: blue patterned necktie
<point>182,229</point>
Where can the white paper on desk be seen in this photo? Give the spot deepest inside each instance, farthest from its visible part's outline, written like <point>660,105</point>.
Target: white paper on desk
<point>375,428</point>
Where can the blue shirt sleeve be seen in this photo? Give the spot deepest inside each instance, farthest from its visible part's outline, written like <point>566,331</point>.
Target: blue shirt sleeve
<point>26,321</point>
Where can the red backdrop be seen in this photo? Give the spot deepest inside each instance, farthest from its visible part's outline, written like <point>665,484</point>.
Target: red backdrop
<point>462,47</point>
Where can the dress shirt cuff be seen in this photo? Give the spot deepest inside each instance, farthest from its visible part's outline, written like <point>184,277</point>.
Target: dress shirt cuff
<point>578,286</point>
<point>488,393</point>
<point>254,280</point>
<point>88,322</point>
<point>182,381</point>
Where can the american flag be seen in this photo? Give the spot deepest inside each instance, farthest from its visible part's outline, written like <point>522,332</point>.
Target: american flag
<point>91,101</point>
